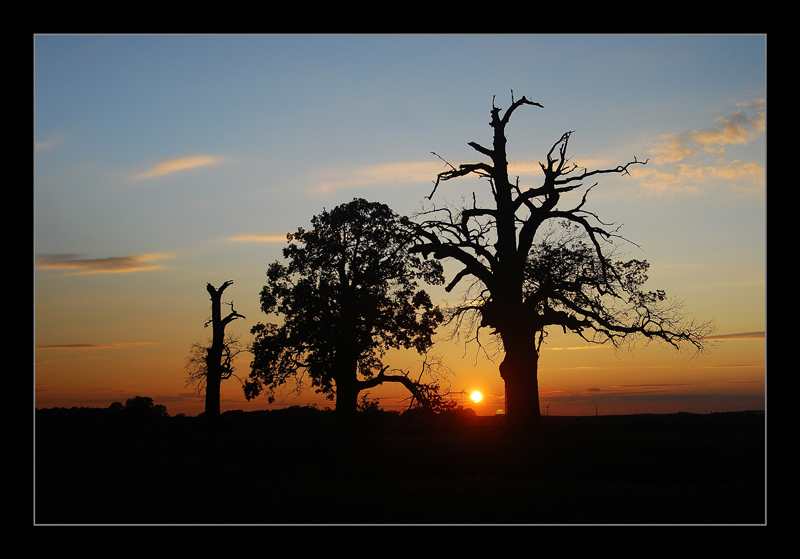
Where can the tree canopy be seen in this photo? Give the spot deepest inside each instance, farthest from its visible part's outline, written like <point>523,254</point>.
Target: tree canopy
<point>347,293</point>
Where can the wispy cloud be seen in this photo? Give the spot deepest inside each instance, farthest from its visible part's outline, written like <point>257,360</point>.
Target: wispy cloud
<point>734,129</point>
<point>259,238</point>
<point>405,172</point>
<point>671,170</point>
<point>737,128</point>
<point>110,265</point>
<point>381,174</point>
<point>637,389</point>
<point>576,348</point>
<point>524,168</point>
<point>739,336</point>
<point>178,164</point>
<point>93,346</point>
<point>47,144</point>
<point>687,178</point>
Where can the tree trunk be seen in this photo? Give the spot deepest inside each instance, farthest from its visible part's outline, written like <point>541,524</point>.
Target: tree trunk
<point>214,367</point>
<point>214,358</point>
<point>213,381</point>
<point>519,371</point>
<point>346,399</point>
<point>345,375</point>
<point>345,361</point>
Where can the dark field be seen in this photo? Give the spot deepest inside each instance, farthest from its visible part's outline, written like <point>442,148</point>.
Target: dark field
<point>296,467</point>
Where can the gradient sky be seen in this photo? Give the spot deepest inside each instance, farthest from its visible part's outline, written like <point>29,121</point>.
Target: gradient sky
<point>165,162</point>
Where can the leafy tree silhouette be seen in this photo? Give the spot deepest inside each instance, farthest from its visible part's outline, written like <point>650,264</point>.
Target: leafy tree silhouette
<point>142,407</point>
<point>348,293</point>
<point>535,265</point>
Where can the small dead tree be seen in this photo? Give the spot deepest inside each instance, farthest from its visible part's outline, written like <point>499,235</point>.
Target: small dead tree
<point>219,356</point>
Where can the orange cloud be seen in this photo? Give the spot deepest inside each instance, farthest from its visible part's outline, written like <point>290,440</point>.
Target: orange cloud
<point>746,177</point>
<point>577,348</point>
<point>739,336</point>
<point>178,164</point>
<point>377,175</point>
<point>110,265</point>
<point>656,181</point>
<point>260,238</point>
<point>92,346</point>
<point>734,129</point>
<point>672,149</point>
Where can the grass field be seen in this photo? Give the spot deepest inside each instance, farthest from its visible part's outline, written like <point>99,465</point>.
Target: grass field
<point>269,468</point>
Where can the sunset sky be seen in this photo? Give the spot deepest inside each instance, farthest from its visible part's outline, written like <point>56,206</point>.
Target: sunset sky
<point>165,162</point>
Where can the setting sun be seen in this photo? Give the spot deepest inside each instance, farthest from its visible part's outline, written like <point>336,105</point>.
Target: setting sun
<point>476,396</point>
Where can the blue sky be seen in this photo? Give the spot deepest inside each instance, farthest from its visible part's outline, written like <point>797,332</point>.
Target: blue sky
<point>165,162</point>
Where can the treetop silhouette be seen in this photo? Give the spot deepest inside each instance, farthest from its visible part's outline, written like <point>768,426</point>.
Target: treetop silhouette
<point>346,295</point>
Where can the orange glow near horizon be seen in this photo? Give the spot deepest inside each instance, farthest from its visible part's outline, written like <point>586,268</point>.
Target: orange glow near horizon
<point>572,381</point>
<point>100,342</point>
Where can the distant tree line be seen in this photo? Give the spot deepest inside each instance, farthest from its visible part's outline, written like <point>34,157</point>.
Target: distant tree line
<point>142,412</point>
<point>139,409</point>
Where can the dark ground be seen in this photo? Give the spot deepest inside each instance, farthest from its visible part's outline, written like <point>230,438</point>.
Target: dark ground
<point>295,467</point>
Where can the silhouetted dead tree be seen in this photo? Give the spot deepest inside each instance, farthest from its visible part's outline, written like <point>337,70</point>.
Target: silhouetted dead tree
<point>219,356</point>
<point>533,265</point>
